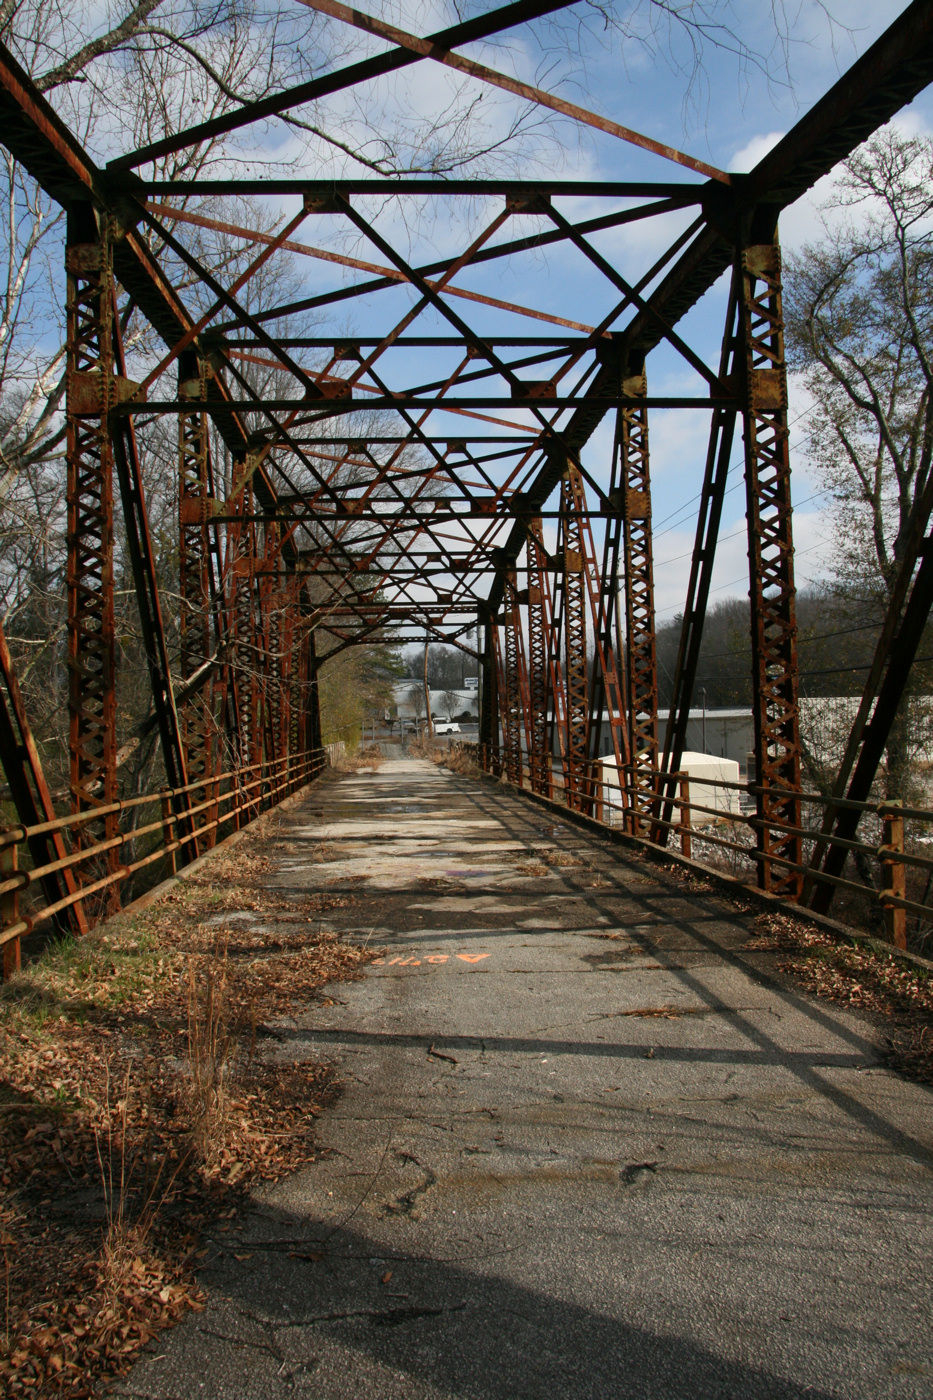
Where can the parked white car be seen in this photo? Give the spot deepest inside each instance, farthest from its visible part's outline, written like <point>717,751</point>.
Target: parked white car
<point>446,726</point>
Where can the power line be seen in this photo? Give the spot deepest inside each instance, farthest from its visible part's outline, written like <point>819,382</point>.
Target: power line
<point>684,509</point>
<point>741,531</point>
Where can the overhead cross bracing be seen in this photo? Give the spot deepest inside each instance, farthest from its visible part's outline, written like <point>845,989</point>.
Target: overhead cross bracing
<point>408,446</point>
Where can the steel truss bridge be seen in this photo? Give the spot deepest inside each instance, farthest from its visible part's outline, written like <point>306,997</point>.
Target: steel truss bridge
<point>341,503</point>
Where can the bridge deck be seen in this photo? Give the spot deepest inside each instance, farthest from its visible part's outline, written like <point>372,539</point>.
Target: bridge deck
<point>591,1144</point>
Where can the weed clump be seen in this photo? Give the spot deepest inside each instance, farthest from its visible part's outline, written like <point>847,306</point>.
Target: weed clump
<point>138,1103</point>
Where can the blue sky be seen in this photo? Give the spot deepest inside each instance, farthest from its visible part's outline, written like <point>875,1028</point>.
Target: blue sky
<point>729,115</point>
<point>749,85</point>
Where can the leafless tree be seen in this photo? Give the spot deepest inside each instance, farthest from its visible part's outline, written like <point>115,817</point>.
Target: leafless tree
<point>860,322</point>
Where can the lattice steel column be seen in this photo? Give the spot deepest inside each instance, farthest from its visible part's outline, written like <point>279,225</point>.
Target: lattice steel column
<point>771,564</point>
<point>302,646</point>
<point>276,608</point>
<point>287,666</point>
<point>194,567</point>
<point>314,736</point>
<point>576,758</point>
<point>641,668</point>
<point>245,652</point>
<point>228,699</point>
<point>269,602</point>
<point>514,679</point>
<point>489,701</point>
<point>539,630</point>
<point>92,388</point>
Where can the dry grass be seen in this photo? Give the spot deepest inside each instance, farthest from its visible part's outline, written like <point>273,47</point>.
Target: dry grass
<point>211,1049</point>
<point>446,755</point>
<point>369,756</point>
<point>138,1103</point>
<point>561,860</point>
<point>894,994</point>
<point>543,859</point>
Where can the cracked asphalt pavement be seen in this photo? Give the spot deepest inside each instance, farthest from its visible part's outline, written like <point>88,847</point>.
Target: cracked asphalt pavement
<point>591,1144</point>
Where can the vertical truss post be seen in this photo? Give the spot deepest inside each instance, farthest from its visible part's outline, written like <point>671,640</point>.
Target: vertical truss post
<point>314,734</point>
<point>605,687</point>
<point>576,760</point>
<point>298,680</point>
<point>194,566</point>
<point>30,793</point>
<point>142,562</point>
<point>246,648</point>
<point>489,701</point>
<point>512,694</point>
<point>539,629</point>
<point>90,392</point>
<point>286,676</point>
<point>275,602</point>
<point>300,677</point>
<point>228,682</point>
<point>712,495</point>
<point>607,626</point>
<point>555,726</point>
<point>771,567</point>
<point>641,668</point>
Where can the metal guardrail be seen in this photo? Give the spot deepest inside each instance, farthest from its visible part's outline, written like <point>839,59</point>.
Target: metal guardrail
<point>171,827</point>
<point>186,822</point>
<point>880,882</point>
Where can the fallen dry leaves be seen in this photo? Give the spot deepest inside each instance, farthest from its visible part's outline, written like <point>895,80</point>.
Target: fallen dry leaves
<point>111,1165</point>
<point>896,994</point>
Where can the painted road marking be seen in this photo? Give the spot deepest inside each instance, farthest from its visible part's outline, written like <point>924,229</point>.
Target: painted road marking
<point>432,959</point>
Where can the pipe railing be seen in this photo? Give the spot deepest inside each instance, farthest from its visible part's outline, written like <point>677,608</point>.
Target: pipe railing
<point>188,820</point>
<point>632,799</point>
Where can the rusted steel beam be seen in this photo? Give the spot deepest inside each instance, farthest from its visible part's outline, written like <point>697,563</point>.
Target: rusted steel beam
<point>92,387</point>
<point>641,668</point>
<point>514,696</point>
<point>600,591</point>
<point>900,659</point>
<point>572,584</point>
<point>287,665</point>
<point>586,415</point>
<point>389,276</point>
<point>143,566</point>
<point>426,49</point>
<point>29,790</point>
<point>712,494</point>
<point>544,679</point>
<point>605,683</point>
<point>482,27</point>
<point>489,700</point>
<point>888,76</point>
<point>344,346</point>
<point>693,192</point>
<point>38,138</point>
<point>632,295</point>
<point>527,397</point>
<point>888,674</point>
<point>607,622</point>
<point>225,296</point>
<point>196,585</point>
<point>763,373</point>
<point>314,736</point>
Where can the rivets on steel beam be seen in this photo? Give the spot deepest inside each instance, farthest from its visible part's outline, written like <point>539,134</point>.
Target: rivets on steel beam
<point>323,204</point>
<point>534,389</point>
<point>534,203</point>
